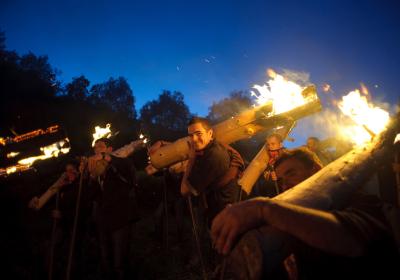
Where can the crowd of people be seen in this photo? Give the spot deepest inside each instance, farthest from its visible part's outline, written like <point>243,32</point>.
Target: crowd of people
<point>252,236</point>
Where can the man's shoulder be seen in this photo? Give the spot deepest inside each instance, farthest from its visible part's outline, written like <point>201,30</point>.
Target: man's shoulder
<point>216,149</point>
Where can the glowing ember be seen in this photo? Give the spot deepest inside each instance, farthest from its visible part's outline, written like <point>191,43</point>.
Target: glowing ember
<point>282,93</point>
<point>370,119</point>
<point>143,138</point>
<point>326,88</point>
<point>101,132</point>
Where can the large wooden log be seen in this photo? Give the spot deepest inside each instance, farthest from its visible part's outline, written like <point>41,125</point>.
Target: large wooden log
<point>242,126</point>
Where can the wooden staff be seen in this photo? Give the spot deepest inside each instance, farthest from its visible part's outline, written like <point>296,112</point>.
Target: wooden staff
<point>53,238</point>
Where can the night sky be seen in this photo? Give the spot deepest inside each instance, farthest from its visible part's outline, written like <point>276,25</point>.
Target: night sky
<point>206,49</point>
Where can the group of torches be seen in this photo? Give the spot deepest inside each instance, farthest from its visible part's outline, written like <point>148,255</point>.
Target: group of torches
<point>367,120</point>
<point>58,148</point>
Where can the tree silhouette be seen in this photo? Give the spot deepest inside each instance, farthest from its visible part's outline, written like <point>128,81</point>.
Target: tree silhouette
<point>167,117</point>
<point>237,102</point>
<point>78,88</point>
<point>115,93</point>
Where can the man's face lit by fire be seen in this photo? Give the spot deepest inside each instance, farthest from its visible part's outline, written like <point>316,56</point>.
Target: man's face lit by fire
<point>292,172</point>
<point>312,144</point>
<point>273,143</point>
<point>199,136</point>
<point>101,147</point>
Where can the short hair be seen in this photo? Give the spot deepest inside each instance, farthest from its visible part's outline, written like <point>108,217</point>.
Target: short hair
<point>316,139</point>
<point>304,155</point>
<point>204,122</point>
<point>275,135</point>
<point>106,141</point>
<point>74,163</point>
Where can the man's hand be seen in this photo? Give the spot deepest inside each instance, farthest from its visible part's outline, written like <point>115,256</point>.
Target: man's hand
<point>34,203</point>
<point>157,145</point>
<point>62,180</point>
<point>273,176</point>
<point>235,220</point>
<point>92,163</point>
<point>56,214</point>
<point>185,189</point>
<point>82,164</point>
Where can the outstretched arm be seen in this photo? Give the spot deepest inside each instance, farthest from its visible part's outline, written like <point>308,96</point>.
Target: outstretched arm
<point>316,228</point>
<point>38,202</point>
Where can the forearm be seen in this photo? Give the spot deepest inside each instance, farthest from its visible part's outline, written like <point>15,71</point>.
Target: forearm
<point>45,197</point>
<point>314,227</point>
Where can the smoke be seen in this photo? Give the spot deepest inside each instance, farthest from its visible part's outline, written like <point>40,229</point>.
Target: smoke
<point>301,78</point>
<point>328,123</point>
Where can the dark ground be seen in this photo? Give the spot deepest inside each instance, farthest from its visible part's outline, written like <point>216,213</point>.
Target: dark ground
<point>26,233</point>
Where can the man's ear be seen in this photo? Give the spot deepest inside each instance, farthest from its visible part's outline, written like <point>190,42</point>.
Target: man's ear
<point>315,168</point>
<point>109,149</point>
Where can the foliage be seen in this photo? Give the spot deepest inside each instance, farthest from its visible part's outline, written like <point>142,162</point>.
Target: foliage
<point>167,117</point>
<point>237,102</point>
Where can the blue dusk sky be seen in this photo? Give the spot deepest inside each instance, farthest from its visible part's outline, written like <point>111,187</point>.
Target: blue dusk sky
<point>207,49</point>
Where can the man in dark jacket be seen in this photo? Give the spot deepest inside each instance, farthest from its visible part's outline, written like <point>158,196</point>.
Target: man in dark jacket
<point>212,169</point>
<point>112,179</point>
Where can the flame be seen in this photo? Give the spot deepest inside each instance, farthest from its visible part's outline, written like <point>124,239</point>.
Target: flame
<point>397,138</point>
<point>282,93</point>
<point>2,141</point>
<point>364,89</point>
<point>12,154</point>
<point>52,150</point>
<point>101,132</point>
<point>369,120</point>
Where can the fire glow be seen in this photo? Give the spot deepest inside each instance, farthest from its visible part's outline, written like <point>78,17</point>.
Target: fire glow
<point>369,119</point>
<point>101,132</point>
<point>282,93</point>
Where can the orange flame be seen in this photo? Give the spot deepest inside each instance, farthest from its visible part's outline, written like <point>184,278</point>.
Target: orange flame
<point>369,119</point>
<point>282,93</point>
<point>101,132</point>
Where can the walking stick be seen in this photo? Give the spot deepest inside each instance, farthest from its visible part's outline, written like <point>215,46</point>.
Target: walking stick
<point>275,181</point>
<point>73,235</point>
<point>165,210</point>
<point>53,239</point>
<point>196,237</point>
